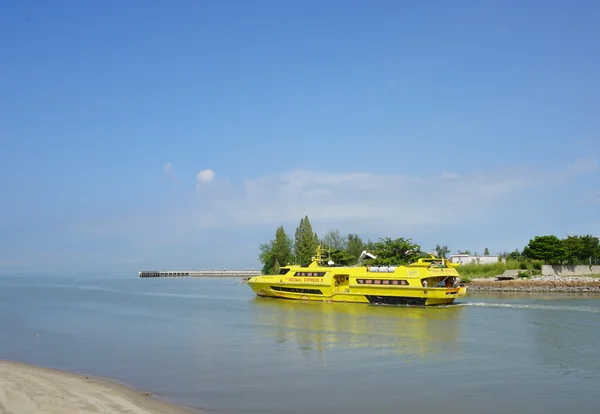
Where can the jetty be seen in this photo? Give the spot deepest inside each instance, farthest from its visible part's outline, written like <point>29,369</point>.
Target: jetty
<point>199,273</point>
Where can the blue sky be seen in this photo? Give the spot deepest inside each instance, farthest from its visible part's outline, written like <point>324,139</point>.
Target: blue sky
<point>142,135</point>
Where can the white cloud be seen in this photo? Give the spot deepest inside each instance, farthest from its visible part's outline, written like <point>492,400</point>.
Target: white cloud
<point>168,170</point>
<point>391,200</point>
<point>204,176</point>
<point>583,165</point>
<point>377,201</point>
<point>187,228</point>
<point>361,202</point>
<point>449,176</point>
<point>368,200</point>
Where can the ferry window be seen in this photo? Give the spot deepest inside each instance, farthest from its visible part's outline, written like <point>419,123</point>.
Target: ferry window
<point>283,271</point>
<point>311,274</point>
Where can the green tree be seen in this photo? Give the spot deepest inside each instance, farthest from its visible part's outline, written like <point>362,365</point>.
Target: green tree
<point>573,248</point>
<point>282,247</point>
<point>441,251</point>
<point>396,251</point>
<point>550,249</point>
<point>581,249</point>
<point>276,252</point>
<point>516,255</point>
<point>590,249</point>
<point>305,242</point>
<point>334,240</point>
<point>339,257</point>
<point>486,252</point>
<point>369,245</point>
<point>354,245</point>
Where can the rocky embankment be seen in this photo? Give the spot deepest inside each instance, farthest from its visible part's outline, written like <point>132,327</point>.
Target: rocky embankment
<point>538,284</point>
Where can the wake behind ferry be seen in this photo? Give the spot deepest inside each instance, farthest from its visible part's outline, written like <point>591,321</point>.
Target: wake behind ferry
<point>428,281</point>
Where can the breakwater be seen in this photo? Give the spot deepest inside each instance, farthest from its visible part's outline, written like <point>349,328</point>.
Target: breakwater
<point>198,273</point>
<point>538,284</point>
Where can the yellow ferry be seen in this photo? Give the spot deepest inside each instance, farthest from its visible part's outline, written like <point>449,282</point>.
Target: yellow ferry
<point>429,281</point>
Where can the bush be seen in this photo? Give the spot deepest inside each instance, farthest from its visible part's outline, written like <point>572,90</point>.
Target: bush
<point>537,264</point>
<point>513,264</point>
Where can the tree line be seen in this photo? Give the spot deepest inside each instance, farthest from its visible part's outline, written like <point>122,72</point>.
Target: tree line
<point>345,250</point>
<point>572,250</point>
<point>338,249</point>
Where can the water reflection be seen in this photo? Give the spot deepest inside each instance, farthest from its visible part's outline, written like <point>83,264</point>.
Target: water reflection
<point>321,326</point>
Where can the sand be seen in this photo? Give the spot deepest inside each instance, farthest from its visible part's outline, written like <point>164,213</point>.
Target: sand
<point>26,389</point>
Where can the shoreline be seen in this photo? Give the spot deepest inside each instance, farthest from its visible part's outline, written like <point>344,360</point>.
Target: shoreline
<point>26,388</point>
<point>537,284</point>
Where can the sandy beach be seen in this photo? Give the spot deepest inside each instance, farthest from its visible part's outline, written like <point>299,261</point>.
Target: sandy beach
<point>538,284</point>
<point>27,389</point>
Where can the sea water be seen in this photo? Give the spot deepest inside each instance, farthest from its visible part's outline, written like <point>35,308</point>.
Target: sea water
<point>212,344</point>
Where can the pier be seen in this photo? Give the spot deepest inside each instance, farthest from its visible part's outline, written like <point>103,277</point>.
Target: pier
<point>199,273</point>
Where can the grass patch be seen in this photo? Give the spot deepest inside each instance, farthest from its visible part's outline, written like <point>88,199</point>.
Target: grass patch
<point>470,271</point>
<point>481,270</point>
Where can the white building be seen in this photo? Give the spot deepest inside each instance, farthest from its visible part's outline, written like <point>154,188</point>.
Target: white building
<point>473,259</point>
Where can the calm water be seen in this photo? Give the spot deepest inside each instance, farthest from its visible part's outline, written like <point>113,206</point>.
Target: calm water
<point>211,343</point>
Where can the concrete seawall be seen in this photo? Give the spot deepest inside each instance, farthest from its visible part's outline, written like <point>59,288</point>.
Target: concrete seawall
<point>198,273</point>
<point>562,270</point>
